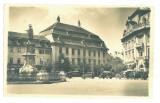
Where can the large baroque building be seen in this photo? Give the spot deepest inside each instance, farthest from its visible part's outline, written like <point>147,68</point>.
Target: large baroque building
<point>136,39</point>
<point>17,46</point>
<point>76,43</point>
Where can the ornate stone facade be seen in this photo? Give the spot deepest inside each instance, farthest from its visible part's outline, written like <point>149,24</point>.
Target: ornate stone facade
<point>136,39</point>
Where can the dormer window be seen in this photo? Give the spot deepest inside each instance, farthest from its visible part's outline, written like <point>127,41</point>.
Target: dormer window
<point>89,36</point>
<point>58,38</point>
<point>18,41</point>
<point>101,44</point>
<point>42,43</point>
<point>67,33</point>
<point>48,44</point>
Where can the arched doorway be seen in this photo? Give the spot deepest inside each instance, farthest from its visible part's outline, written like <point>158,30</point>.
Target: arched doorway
<point>141,67</point>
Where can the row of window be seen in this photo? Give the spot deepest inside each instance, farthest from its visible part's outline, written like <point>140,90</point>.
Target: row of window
<point>19,50</point>
<point>41,51</point>
<point>84,52</point>
<point>130,54</point>
<point>79,61</point>
<point>11,60</point>
<point>19,61</point>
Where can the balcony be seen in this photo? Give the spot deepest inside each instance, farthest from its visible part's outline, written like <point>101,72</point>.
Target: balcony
<point>137,27</point>
<point>139,45</point>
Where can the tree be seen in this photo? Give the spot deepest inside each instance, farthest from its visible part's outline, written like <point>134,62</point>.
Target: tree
<point>116,63</point>
<point>107,67</point>
<point>65,66</point>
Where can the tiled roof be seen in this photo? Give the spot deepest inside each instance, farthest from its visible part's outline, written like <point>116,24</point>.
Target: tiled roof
<point>73,33</point>
<point>67,27</point>
<point>24,35</point>
<point>140,10</point>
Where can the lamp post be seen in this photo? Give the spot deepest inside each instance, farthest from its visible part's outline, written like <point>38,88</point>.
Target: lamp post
<point>83,44</point>
<point>62,61</point>
<point>41,62</point>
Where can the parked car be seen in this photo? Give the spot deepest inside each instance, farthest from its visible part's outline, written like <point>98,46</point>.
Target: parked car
<point>88,75</point>
<point>141,75</point>
<point>106,74</point>
<point>129,74</point>
<point>76,74</point>
<point>73,74</point>
<point>69,74</point>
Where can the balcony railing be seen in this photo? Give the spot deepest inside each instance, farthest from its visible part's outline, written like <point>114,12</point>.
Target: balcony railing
<point>137,27</point>
<point>139,45</point>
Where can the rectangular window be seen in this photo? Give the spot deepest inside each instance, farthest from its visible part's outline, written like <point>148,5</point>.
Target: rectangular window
<point>79,61</point>
<point>94,62</point>
<point>47,51</point>
<point>84,52</point>
<point>126,46</point>
<point>98,53</point>
<point>11,60</point>
<point>79,52</point>
<point>89,61</point>
<point>89,53</point>
<point>18,50</point>
<point>11,49</point>
<point>60,50</point>
<point>73,60</point>
<point>33,50</point>
<point>73,52</point>
<point>98,62</point>
<point>41,51</point>
<point>94,53</point>
<point>67,51</point>
<point>18,61</point>
<point>104,54</point>
<point>141,53</point>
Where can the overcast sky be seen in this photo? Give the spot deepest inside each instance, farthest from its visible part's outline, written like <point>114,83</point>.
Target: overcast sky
<point>106,22</point>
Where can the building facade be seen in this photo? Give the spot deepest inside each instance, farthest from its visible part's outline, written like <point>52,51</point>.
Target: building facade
<point>136,39</point>
<point>76,43</point>
<point>17,47</point>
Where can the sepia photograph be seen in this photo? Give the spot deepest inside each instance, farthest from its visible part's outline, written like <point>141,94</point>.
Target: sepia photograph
<point>78,50</point>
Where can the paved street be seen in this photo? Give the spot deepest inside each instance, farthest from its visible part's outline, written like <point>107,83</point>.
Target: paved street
<point>78,86</point>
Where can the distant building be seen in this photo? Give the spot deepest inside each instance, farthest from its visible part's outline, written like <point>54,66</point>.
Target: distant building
<point>136,39</point>
<point>17,46</point>
<point>76,43</point>
<point>117,54</point>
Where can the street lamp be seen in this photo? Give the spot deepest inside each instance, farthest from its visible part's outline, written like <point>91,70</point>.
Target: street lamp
<point>41,62</point>
<point>62,61</point>
<point>83,44</point>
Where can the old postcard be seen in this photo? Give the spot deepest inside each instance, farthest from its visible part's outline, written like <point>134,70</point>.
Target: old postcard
<point>73,50</point>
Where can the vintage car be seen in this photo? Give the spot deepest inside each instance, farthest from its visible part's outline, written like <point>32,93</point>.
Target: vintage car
<point>106,74</point>
<point>129,74</point>
<point>73,74</point>
<point>141,75</point>
<point>88,75</point>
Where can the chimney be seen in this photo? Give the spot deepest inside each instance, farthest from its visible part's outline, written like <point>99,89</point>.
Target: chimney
<point>58,19</point>
<point>79,23</point>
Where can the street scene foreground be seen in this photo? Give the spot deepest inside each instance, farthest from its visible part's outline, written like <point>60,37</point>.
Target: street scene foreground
<point>79,86</point>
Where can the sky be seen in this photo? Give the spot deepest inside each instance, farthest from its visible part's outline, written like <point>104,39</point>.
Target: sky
<point>106,22</point>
